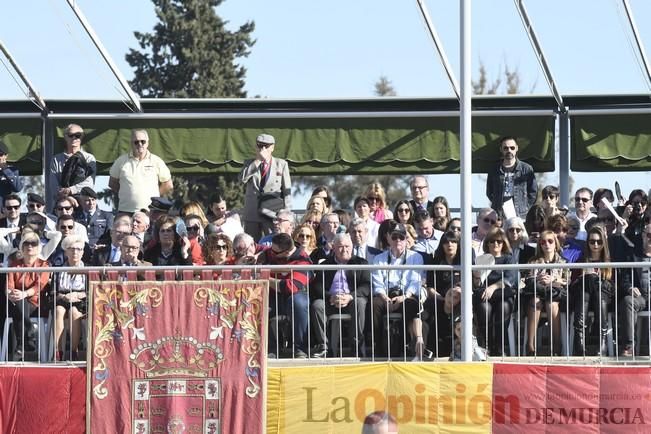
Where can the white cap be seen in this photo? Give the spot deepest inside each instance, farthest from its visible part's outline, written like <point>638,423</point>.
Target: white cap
<point>266,138</point>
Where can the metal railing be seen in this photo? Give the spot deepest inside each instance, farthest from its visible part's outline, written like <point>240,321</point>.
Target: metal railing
<point>313,325</point>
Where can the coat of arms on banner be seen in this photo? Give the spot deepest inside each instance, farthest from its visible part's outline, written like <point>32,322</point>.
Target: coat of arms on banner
<point>187,355</point>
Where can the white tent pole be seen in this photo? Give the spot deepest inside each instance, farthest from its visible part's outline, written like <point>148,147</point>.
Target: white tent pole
<point>32,90</point>
<point>638,40</point>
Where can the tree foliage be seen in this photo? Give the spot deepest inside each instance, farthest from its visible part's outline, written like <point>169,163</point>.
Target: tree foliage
<point>507,81</point>
<point>191,54</point>
<point>384,87</point>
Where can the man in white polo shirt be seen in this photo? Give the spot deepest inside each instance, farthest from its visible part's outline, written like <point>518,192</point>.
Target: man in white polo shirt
<point>139,175</point>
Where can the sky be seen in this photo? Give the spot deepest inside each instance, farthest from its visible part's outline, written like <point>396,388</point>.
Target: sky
<point>339,48</point>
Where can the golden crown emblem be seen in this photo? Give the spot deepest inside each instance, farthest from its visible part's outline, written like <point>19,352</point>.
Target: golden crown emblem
<point>176,355</point>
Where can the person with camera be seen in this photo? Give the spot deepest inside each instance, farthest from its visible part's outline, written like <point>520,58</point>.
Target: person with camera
<point>399,290</point>
<point>10,181</point>
<point>268,188</point>
<point>634,214</point>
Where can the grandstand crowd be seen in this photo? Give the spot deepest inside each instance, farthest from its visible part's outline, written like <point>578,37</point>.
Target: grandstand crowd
<point>523,226</point>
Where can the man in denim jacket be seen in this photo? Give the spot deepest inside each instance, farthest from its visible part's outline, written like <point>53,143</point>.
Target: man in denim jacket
<point>511,179</point>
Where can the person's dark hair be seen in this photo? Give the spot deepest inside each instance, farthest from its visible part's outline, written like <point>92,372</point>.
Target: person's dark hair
<point>557,223</point>
<point>504,139</point>
<point>421,216</point>
<point>217,197</point>
<point>282,240</point>
<point>453,219</point>
<point>444,201</point>
<point>585,190</point>
<point>634,193</point>
<point>535,219</point>
<point>64,218</point>
<point>359,199</point>
<point>408,205</point>
<point>320,189</point>
<point>386,227</point>
<point>13,196</point>
<point>440,223</point>
<point>439,254</point>
<point>344,216</point>
<point>549,190</point>
<point>603,192</point>
<point>209,246</point>
<point>497,233</point>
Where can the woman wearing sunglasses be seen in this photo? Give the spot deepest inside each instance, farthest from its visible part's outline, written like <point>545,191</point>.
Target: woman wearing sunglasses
<point>305,237</point>
<point>545,288</point>
<point>403,212</point>
<point>519,240</point>
<point>169,248</point>
<point>593,289</point>
<point>217,249</point>
<point>493,297</point>
<point>193,224</point>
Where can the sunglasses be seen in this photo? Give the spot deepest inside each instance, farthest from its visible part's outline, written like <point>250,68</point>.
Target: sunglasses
<point>595,242</point>
<point>278,252</point>
<point>308,236</point>
<point>549,196</point>
<point>419,187</point>
<point>518,230</point>
<point>491,221</point>
<point>508,148</point>
<point>64,208</point>
<point>34,205</point>
<point>221,247</point>
<point>13,207</point>
<point>139,142</point>
<point>75,135</point>
<point>66,227</point>
<point>403,209</point>
<point>32,243</point>
<point>581,199</point>
<point>166,230</point>
<point>496,242</point>
<point>193,228</point>
<point>261,145</point>
<point>398,237</point>
<point>549,241</point>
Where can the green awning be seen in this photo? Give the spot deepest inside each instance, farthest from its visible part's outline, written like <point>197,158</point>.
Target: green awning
<point>23,138</point>
<point>602,143</point>
<point>314,146</point>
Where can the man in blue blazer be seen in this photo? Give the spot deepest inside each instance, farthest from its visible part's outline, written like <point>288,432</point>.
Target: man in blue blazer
<point>268,188</point>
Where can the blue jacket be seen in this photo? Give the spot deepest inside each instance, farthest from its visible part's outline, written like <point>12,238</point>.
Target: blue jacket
<point>525,189</point>
<point>10,181</point>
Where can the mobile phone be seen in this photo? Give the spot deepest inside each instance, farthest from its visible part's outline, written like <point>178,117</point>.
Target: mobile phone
<point>181,229</point>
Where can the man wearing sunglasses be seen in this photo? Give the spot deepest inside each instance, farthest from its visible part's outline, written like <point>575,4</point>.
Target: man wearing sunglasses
<point>10,181</point>
<point>66,206</point>
<point>511,179</point>
<point>268,188</point>
<point>583,211</point>
<point>73,135</point>
<point>139,175</point>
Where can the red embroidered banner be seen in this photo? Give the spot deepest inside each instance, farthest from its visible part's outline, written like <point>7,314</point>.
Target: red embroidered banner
<point>178,357</point>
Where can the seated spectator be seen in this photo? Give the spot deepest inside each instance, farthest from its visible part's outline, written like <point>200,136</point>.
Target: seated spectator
<point>130,249</point>
<point>67,177</point>
<point>550,197</point>
<point>346,291</point>
<point>634,214</point>
<point>329,226</point>
<point>377,202</point>
<point>110,253</point>
<point>217,249</point>
<point>384,234</point>
<point>486,220</point>
<point>516,232</point>
<point>194,208</point>
<point>582,211</point>
<point>316,203</point>
<point>313,218</point>
<point>493,297</point>
<point>403,212</point>
<point>412,236</point>
<point>169,247</point>
<point>633,292</point>
<point>428,237</point>
<point>323,192</point>
<point>66,206</point>
<point>440,208</point>
<point>545,287</point>
<point>35,202</point>
<point>592,288</point>
<point>305,237</point>
<point>244,250</point>
<point>454,225</point>
<point>571,250</point>
<point>283,223</point>
<point>573,227</point>
<point>65,225</point>
<point>534,222</point>
<point>399,290</point>
<point>363,211</point>
<point>70,295</point>
<point>440,224</point>
<point>419,187</point>
<point>225,220</point>
<point>358,234</point>
<point>140,225</point>
<point>96,221</point>
<point>195,235</point>
<point>37,224</point>
<point>10,181</point>
<point>602,193</point>
<point>289,289</point>
<point>344,219</point>
<point>24,290</point>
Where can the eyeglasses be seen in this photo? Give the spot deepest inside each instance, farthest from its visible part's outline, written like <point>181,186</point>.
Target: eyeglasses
<point>221,247</point>
<point>62,227</point>
<point>139,142</point>
<point>279,220</point>
<point>518,230</point>
<point>261,145</point>
<point>581,199</point>
<point>76,249</point>
<point>166,230</point>
<point>13,207</point>
<point>419,187</point>
<point>75,135</point>
<point>308,236</point>
<point>549,196</point>
<point>64,208</point>
<point>548,241</point>
<point>128,247</point>
<point>403,209</point>
<point>398,237</point>
<point>31,243</point>
<point>491,221</point>
<point>34,205</point>
<point>508,148</point>
<point>495,241</point>
<point>193,228</point>
<point>595,242</point>
<point>278,252</point>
